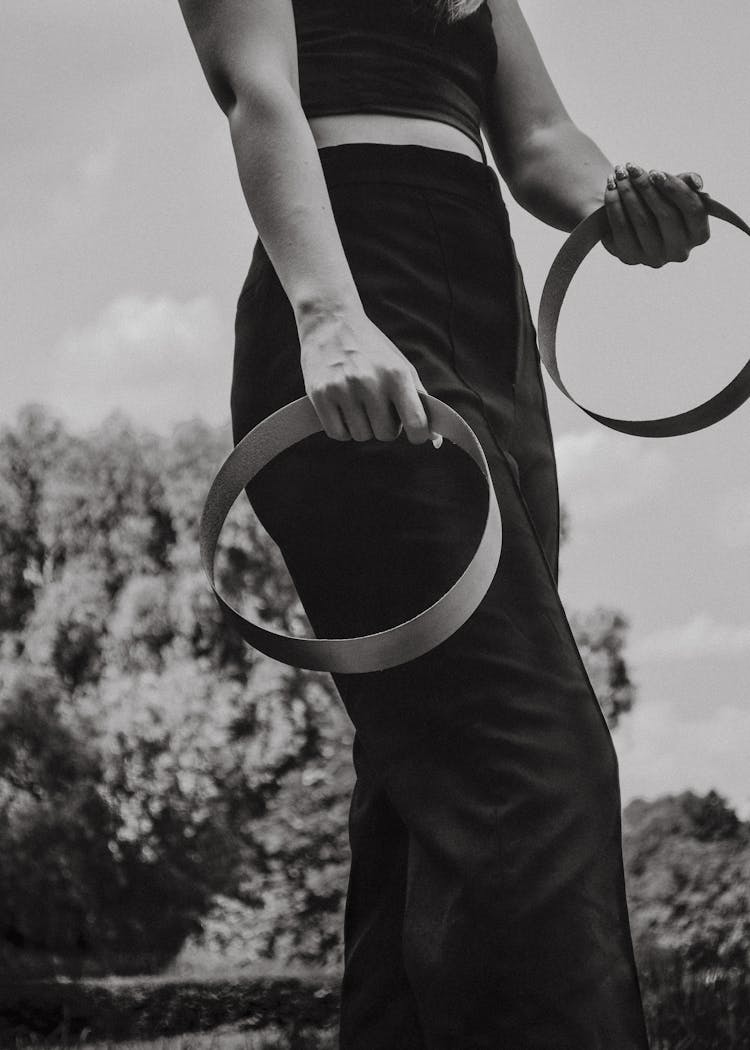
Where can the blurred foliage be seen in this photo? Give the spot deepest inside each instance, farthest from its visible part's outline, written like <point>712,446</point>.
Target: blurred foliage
<point>601,636</point>
<point>164,788</point>
<point>688,867</point>
<point>686,1009</point>
<point>297,1009</point>
<point>151,765</point>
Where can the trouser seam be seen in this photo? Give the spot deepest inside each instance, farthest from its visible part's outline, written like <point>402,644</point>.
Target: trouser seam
<point>450,327</point>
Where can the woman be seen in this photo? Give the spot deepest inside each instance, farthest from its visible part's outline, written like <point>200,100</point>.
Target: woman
<point>486,905</point>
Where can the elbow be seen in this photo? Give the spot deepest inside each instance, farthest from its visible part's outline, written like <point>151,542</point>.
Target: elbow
<point>262,116</point>
<point>258,96</point>
<point>532,158</point>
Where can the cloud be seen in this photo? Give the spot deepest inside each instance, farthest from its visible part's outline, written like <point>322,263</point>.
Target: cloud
<point>157,359</point>
<point>82,198</point>
<point>662,750</point>
<point>602,473</point>
<point>99,163</point>
<point>696,639</point>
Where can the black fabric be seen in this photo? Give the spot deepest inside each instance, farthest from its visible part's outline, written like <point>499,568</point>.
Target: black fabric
<point>360,56</point>
<point>486,904</point>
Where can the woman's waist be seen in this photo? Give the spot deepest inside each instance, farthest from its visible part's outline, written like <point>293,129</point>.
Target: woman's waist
<point>382,168</point>
<point>393,129</point>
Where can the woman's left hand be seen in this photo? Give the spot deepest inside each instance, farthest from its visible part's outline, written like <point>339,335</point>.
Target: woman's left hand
<point>654,217</point>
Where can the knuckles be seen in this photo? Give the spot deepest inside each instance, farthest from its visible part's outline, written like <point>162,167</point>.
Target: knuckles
<point>386,433</point>
<point>345,383</point>
<point>324,391</point>
<point>416,432</point>
<point>694,208</point>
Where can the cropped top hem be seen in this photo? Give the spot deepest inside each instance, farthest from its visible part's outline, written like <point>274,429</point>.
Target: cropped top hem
<point>426,114</point>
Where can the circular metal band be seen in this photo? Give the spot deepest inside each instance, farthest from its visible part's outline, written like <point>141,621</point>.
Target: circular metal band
<point>372,652</point>
<point>423,632</point>
<point>568,259</point>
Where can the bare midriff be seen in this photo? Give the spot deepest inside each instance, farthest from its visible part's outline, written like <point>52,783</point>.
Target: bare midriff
<point>339,128</point>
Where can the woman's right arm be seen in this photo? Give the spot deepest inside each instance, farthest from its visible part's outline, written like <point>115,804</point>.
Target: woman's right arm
<point>359,382</point>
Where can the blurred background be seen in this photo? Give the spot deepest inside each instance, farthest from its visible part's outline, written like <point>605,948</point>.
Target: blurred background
<point>173,806</point>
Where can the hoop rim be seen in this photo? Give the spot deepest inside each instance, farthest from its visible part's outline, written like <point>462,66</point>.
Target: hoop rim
<point>566,263</point>
<point>373,652</point>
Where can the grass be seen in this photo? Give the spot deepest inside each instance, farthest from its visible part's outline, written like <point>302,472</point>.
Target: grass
<point>686,1009</point>
<point>200,1041</point>
<point>258,1013</point>
<point>707,1009</point>
<point>226,1038</point>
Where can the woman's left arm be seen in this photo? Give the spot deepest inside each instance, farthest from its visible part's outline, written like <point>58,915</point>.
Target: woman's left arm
<point>560,175</point>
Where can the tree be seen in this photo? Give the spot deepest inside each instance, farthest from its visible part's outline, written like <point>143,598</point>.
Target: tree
<point>67,627</point>
<point>601,637</point>
<point>156,774</point>
<point>53,842</point>
<point>27,453</point>
<point>104,501</point>
<point>688,867</point>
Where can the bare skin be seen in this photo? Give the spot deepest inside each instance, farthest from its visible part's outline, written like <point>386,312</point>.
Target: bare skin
<point>359,382</point>
<point>386,127</point>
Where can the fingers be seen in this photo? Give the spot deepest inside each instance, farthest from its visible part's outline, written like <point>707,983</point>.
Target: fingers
<point>686,198</point>
<point>405,391</point>
<point>435,438</point>
<point>393,404</point>
<point>342,417</point>
<point>645,231</point>
<point>356,420</point>
<point>382,416</point>
<point>330,416</point>
<point>622,241</point>
<point>362,386</point>
<point>693,179</point>
<point>670,243</point>
<point>365,410</point>
<point>654,217</point>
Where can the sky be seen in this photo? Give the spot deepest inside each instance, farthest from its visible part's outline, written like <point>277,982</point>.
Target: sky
<point>125,240</point>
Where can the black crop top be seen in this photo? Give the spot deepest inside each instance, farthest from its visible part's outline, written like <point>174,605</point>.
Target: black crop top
<point>378,56</point>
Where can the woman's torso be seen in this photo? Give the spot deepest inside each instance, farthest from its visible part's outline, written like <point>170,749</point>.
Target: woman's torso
<point>336,129</point>
<point>395,71</point>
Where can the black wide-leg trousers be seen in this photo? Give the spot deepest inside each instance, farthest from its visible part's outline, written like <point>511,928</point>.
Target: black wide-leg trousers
<point>486,905</point>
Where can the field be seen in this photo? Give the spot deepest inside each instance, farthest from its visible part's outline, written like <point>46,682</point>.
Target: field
<point>685,1011</point>
<point>222,1039</point>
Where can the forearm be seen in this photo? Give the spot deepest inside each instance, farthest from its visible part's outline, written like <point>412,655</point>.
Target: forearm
<point>286,193</point>
<point>558,174</point>
<point>358,381</point>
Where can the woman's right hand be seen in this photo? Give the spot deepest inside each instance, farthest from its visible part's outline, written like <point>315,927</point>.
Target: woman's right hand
<point>359,382</point>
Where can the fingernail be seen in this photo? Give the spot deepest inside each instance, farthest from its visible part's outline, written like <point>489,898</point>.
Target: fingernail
<point>620,172</point>
<point>437,440</point>
<point>657,177</point>
<point>696,180</point>
<point>611,184</point>
<point>634,171</point>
